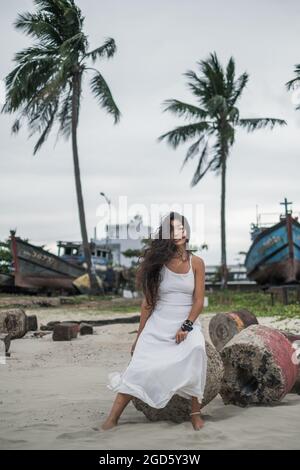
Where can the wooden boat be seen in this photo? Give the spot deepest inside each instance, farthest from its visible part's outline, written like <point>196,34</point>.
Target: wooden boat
<point>73,253</point>
<point>274,256</point>
<point>6,280</point>
<point>35,267</point>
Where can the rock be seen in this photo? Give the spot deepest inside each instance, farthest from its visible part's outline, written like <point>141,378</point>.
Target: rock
<point>32,323</point>
<point>65,331</point>
<point>86,329</point>
<point>178,408</point>
<point>224,326</point>
<point>13,321</point>
<point>258,367</point>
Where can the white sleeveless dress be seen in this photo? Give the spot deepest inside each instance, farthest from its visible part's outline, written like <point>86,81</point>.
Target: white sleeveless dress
<point>159,367</point>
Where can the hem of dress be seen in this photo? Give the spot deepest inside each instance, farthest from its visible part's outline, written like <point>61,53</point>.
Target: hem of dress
<point>123,386</point>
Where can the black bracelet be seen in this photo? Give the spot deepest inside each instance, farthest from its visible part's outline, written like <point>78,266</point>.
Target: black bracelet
<point>187,325</point>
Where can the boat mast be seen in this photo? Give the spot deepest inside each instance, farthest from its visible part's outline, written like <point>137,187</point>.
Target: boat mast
<point>285,204</point>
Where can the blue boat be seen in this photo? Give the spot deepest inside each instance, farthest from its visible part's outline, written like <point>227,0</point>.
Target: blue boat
<point>274,256</point>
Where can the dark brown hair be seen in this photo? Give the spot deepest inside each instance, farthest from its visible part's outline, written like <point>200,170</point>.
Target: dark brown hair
<point>161,249</point>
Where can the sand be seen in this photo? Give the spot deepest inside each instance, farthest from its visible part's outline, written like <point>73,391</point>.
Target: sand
<point>53,395</point>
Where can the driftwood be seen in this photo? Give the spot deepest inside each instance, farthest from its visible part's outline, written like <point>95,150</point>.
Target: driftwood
<point>224,326</point>
<point>258,367</point>
<point>134,319</point>
<point>65,331</point>
<point>13,321</point>
<point>178,408</point>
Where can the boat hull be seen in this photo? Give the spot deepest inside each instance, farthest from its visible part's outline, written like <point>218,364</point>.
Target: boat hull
<point>274,256</point>
<point>38,268</point>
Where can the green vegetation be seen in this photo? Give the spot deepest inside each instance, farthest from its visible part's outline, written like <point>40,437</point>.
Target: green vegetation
<point>258,303</point>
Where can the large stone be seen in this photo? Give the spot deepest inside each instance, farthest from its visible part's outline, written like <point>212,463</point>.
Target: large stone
<point>224,326</point>
<point>14,322</point>
<point>259,367</point>
<point>178,408</point>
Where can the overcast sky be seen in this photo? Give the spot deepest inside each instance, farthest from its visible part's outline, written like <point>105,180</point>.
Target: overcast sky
<point>157,41</point>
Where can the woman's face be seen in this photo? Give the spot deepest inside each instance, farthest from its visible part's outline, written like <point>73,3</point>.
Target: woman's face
<point>179,235</point>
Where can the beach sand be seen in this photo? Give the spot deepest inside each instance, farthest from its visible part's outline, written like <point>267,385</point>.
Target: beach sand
<point>53,395</point>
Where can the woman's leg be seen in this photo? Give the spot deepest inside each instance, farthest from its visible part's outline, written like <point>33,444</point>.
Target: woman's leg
<point>196,419</point>
<point>121,401</point>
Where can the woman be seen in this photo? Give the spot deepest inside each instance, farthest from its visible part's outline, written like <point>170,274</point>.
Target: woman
<point>168,355</point>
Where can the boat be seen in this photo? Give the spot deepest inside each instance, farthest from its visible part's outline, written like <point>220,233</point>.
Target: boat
<point>72,252</point>
<point>37,268</point>
<point>274,255</point>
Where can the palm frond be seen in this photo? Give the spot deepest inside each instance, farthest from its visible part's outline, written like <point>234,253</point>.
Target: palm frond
<point>101,91</point>
<point>199,173</point>
<point>38,26</point>
<point>192,151</point>
<point>252,124</point>
<point>108,49</point>
<point>48,123</point>
<point>186,110</point>
<point>181,134</point>
<point>295,82</point>
<point>238,88</point>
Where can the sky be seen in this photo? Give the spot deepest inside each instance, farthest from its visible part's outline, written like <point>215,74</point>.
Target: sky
<point>157,42</point>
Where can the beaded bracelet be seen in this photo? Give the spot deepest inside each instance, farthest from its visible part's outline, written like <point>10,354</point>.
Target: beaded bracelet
<point>187,325</point>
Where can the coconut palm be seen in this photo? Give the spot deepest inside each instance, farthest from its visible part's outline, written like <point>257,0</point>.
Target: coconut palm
<point>45,86</point>
<point>213,121</point>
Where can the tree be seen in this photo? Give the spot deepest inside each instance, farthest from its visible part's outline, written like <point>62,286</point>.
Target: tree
<point>213,123</point>
<point>45,85</point>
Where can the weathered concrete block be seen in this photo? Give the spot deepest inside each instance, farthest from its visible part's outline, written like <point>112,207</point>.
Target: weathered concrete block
<point>32,323</point>
<point>259,367</point>
<point>13,321</point>
<point>178,408</point>
<point>86,329</point>
<point>224,326</point>
<point>65,331</point>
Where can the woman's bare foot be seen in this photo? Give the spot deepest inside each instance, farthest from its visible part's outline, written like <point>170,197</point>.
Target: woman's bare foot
<point>197,421</point>
<point>108,424</point>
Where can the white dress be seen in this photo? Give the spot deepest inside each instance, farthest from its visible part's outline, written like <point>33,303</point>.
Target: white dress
<point>159,367</point>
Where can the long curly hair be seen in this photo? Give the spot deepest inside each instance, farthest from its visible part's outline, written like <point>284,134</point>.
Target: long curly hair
<point>160,250</point>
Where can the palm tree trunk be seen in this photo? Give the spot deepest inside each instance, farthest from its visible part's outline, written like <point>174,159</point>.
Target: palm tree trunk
<point>85,242</point>
<point>224,271</point>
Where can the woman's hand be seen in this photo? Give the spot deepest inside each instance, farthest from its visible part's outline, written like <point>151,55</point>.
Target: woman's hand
<point>181,335</point>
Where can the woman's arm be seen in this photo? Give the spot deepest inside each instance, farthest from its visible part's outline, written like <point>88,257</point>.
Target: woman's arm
<point>198,297</point>
<point>145,313</point>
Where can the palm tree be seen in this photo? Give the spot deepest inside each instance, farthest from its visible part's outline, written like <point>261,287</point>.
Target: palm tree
<point>45,85</point>
<point>212,125</point>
